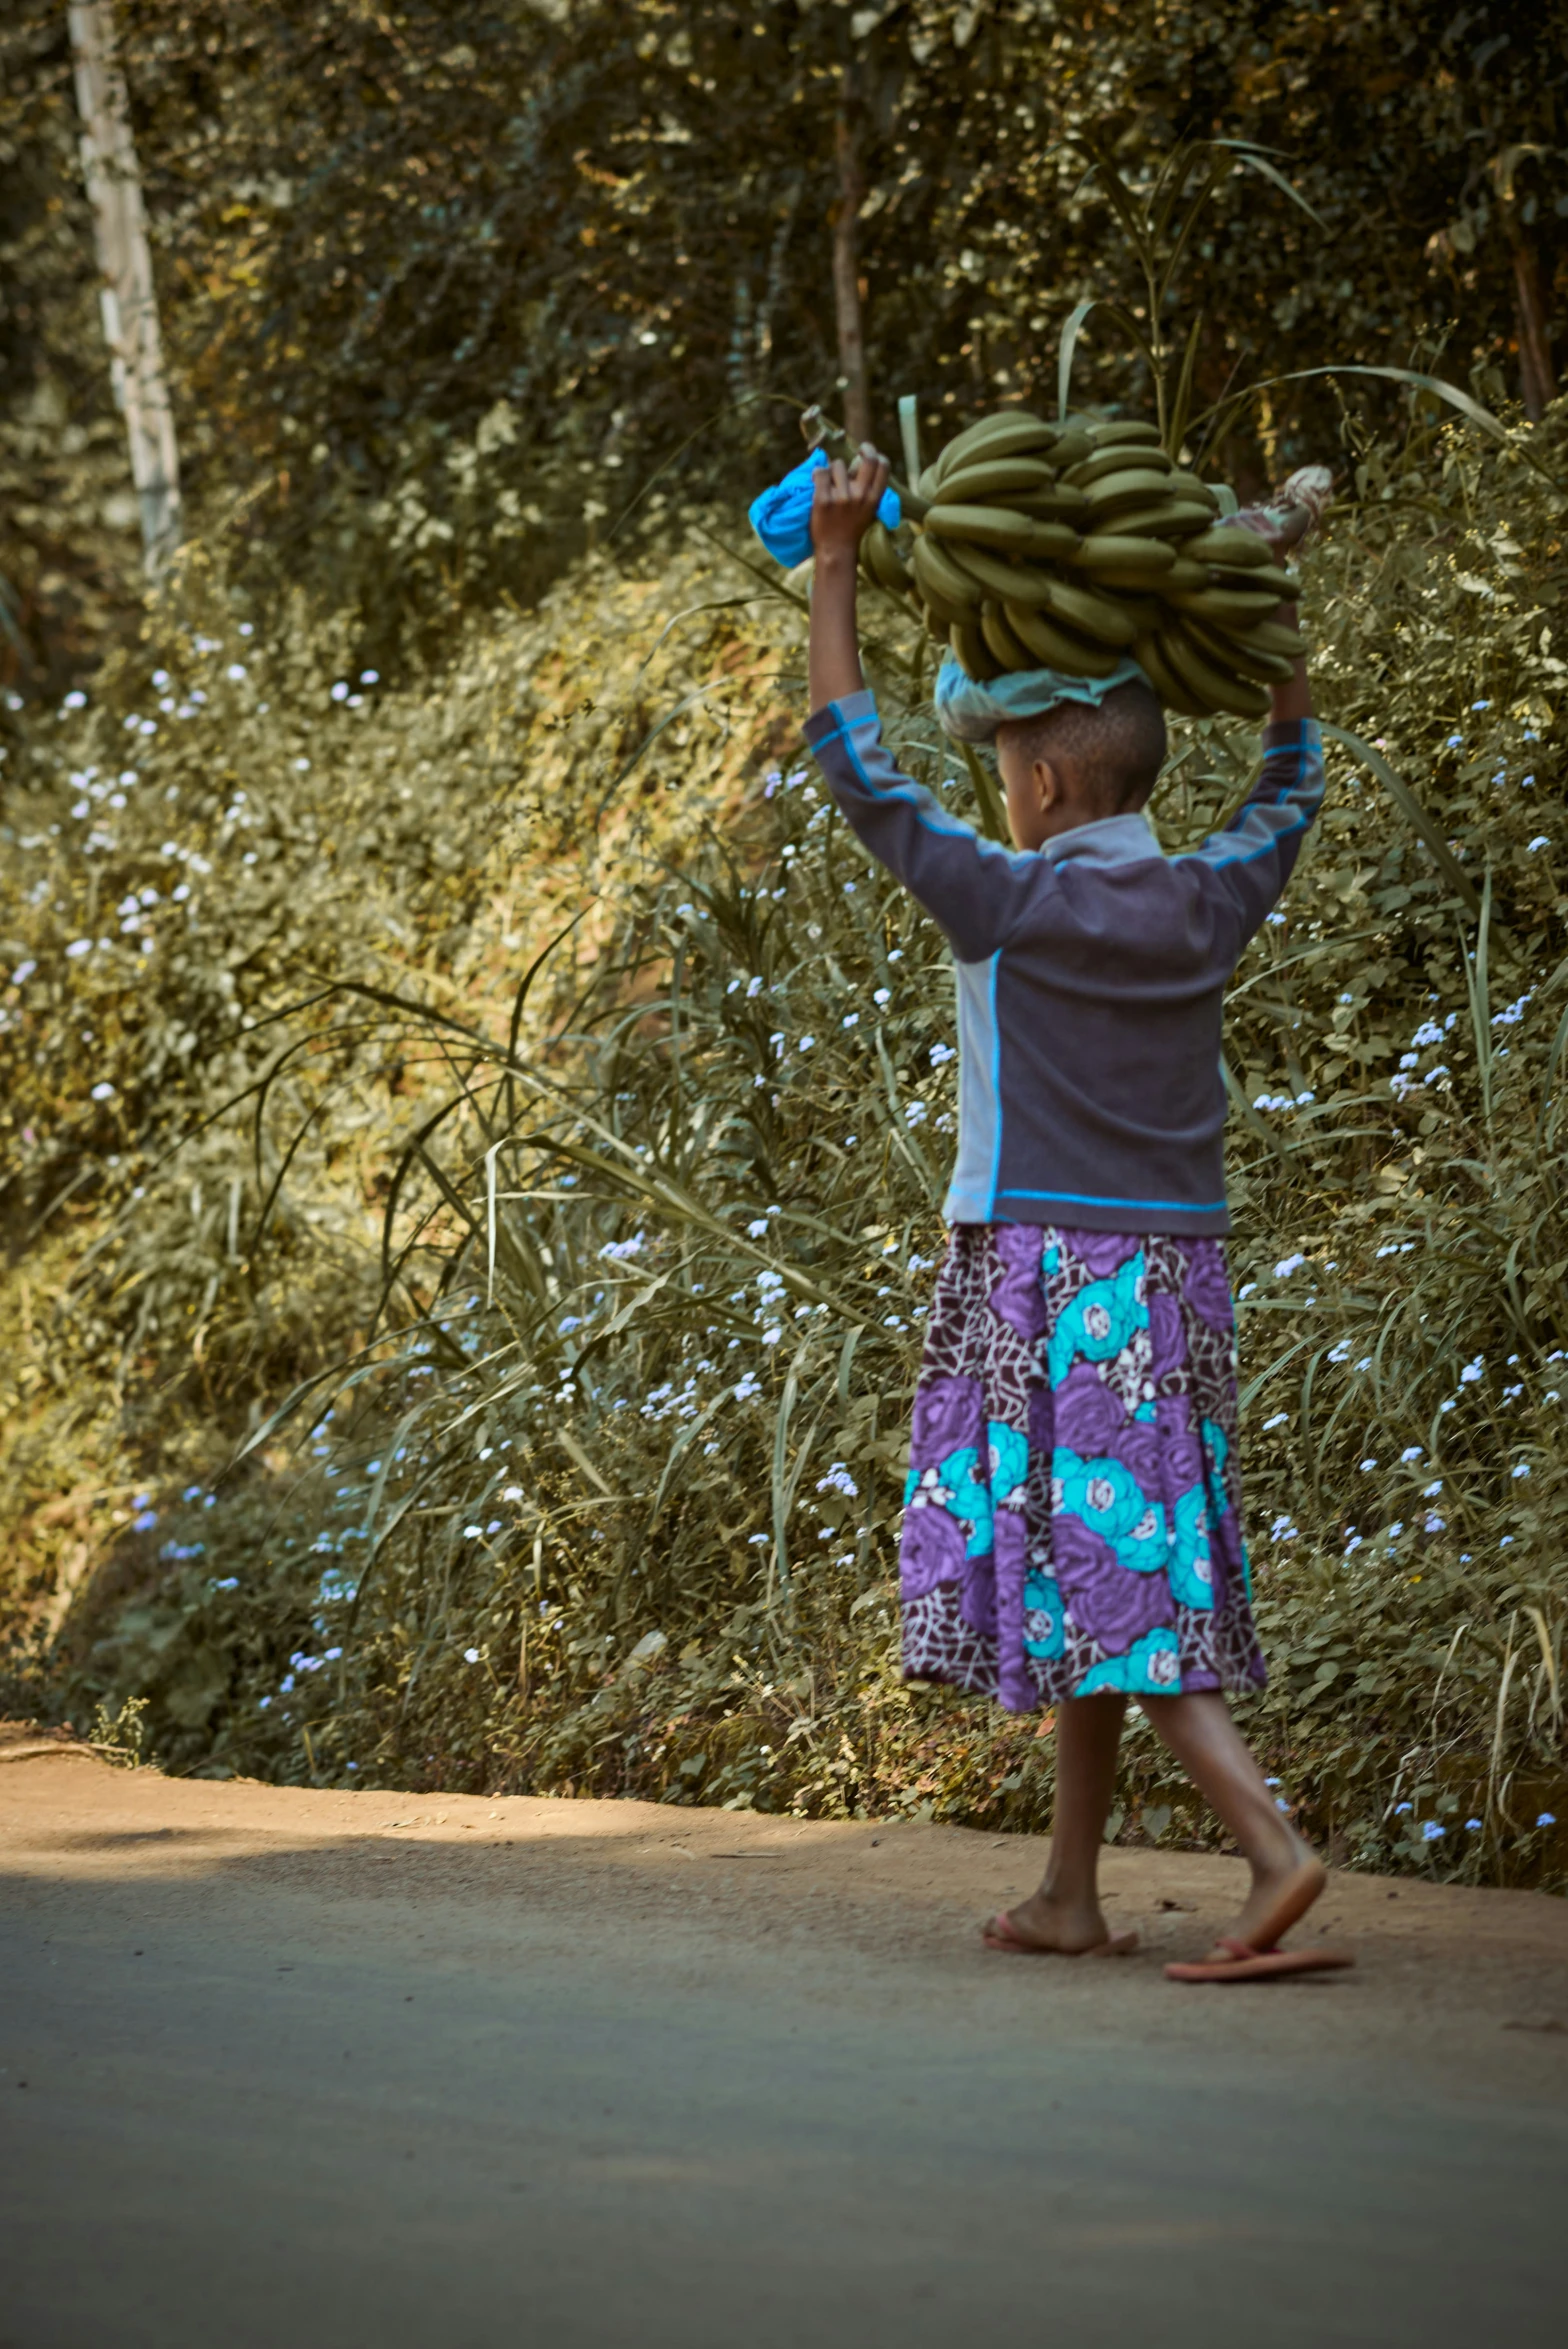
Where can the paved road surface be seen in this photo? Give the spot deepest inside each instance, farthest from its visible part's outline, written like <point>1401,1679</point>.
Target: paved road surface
<point>316,2069</point>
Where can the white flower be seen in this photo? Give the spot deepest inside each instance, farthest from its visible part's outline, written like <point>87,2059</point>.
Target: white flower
<point>1429,1492</point>
<point>76,701</point>
<point>882,995</point>
<point>302,766</point>
<point>470,1655</point>
<point>915,1114</point>
<point>105,1092</point>
<point>340,691</point>
<point>1287,1265</point>
<point>1540,841</point>
<point>1410,1452</point>
<point>1522,1469</point>
<point>1434,1523</point>
<point>79,946</point>
<point>235,672</point>
<point>851,1019</point>
<point>1366,1465</point>
<point>22,973</point>
<point>1472,1371</point>
<point>370,676</point>
<point>1280,1419</point>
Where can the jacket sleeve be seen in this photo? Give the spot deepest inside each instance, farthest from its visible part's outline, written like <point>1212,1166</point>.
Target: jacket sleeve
<point>972,887</point>
<point>1253,858</point>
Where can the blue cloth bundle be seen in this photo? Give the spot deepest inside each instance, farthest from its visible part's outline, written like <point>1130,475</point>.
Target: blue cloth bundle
<point>971,712</point>
<point>781,517</point>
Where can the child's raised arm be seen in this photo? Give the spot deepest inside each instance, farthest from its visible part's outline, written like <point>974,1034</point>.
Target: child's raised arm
<point>843,507</point>
<point>972,887</point>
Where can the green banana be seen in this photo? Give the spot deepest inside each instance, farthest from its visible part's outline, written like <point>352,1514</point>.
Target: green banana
<point>1058,647</point>
<point>1237,549</point>
<point>1118,557</point>
<point>999,526</point>
<point>1234,652</point>
<point>1122,493</point>
<point>1072,446</point>
<point>1058,504</point>
<point>1284,586</point>
<point>1070,544</point>
<point>1163,678</point>
<point>1001,642</point>
<point>879,548</point>
<point>989,575</point>
<point>1188,485</point>
<point>979,482</point>
<point>1105,462</point>
<point>973,653</point>
<point>1273,636</point>
<point>1217,687</point>
<point>1238,605</point>
<point>1011,432</point>
<point>1168,518</point>
<point>941,581</point>
<point>1093,615</point>
<point>1111,434</point>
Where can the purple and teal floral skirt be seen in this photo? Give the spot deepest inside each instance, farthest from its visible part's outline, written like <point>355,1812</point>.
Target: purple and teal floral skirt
<point>1072,1519</point>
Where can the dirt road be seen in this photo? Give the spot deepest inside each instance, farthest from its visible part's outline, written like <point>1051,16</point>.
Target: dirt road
<point>387,2072</point>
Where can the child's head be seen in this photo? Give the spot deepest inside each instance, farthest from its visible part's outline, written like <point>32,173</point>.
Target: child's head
<point>1076,764</point>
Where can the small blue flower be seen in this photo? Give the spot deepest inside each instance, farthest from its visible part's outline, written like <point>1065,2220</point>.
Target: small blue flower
<point>1472,1824</point>
<point>1547,1819</point>
<point>1401,1808</point>
<point>1430,1831</point>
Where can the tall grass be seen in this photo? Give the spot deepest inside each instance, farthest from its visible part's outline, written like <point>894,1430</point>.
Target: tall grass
<point>544,1214</point>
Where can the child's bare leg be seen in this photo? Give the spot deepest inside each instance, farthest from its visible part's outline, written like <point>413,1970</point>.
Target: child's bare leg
<point>1065,1913</point>
<point>1287,1875</point>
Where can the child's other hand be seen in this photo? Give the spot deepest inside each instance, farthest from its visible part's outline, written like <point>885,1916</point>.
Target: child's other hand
<point>844,501</point>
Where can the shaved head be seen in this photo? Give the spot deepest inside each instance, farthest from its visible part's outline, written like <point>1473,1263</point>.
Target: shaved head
<point>1110,757</point>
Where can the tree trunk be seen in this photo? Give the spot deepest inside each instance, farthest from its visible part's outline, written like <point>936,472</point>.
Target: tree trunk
<point>1537,381</point>
<point>846,275</point>
<point>130,310</point>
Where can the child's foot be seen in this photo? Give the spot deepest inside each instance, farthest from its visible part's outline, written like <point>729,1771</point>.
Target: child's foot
<point>1281,1895</point>
<point>1044,1927</point>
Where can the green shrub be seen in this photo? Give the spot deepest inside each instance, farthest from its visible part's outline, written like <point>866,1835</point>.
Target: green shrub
<point>544,1206</point>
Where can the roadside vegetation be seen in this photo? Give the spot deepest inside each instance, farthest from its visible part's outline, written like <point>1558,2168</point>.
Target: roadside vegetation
<point>474,1125</point>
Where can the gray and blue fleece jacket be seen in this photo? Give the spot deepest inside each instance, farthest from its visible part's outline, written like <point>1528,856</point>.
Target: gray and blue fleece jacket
<point>1091,983</point>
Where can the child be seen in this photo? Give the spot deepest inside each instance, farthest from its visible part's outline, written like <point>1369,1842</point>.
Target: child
<point>1072,1534</point>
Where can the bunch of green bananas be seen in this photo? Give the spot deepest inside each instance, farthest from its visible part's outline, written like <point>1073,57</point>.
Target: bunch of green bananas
<point>1069,546</point>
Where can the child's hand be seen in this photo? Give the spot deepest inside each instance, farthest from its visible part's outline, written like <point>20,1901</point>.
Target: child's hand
<point>844,501</point>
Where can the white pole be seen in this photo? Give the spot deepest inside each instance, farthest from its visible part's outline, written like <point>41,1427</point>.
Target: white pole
<point>130,309</point>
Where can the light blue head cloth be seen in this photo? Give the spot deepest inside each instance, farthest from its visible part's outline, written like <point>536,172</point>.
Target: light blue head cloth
<point>781,517</point>
<point>971,712</point>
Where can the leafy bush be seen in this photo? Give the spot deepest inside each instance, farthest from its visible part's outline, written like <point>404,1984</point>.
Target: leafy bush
<point>530,1165</point>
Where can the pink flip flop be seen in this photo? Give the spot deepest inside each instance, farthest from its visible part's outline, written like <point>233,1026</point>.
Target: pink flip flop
<point>997,1933</point>
<point>1246,1964</point>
